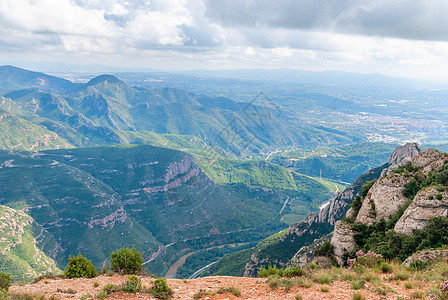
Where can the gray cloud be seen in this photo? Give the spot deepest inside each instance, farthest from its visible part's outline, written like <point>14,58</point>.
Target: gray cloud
<point>408,19</point>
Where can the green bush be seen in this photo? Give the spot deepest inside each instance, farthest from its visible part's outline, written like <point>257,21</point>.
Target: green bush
<point>385,267</point>
<point>127,261</point>
<point>5,281</point>
<point>295,271</point>
<point>439,196</point>
<point>419,265</point>
<point>110,288</point>
<point>4,294</point>
<point>325,250</point>
<point>366,187</point>
<point>79,267</point>
<point>161,289</point>
<point>133,284</point>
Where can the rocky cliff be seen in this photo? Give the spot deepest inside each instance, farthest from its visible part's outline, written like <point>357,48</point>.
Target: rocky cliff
<point>314,226</point>
<point>413,189</point>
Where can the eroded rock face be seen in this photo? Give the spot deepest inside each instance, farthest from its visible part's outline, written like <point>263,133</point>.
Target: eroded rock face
<point>401,156</point>
<point>424,206</point>
<point>383,199</point>
<point>386,195</point>
<point>429,160</point>
<point>427,256</point>
<point>306,254</point>
<point>255,264</point>
<point>342,240</point>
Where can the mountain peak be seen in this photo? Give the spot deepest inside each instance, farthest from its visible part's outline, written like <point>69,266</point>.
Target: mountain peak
<point>104,78</point>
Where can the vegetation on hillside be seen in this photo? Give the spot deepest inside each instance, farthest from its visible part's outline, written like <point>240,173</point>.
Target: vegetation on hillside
<point>344,163</point>
<point>380,236</point>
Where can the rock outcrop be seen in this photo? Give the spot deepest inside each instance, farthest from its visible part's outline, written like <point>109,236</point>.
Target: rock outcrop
<point>303,237</point>
<point>383,199</point>
<point>425,205</point>
<point>306,254</point>
<point>342,240</point>
<point>385,196</point>
<point>427,256</point>
<point>401,156</point>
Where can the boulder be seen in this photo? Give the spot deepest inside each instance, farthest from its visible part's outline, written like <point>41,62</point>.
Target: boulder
<point>424,206</point>
<point>342,240</point>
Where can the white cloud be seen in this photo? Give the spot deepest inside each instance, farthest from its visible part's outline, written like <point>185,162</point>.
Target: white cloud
<point>354,35</point>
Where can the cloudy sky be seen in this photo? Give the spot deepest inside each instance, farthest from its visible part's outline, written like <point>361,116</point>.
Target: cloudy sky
<point>400,37</point>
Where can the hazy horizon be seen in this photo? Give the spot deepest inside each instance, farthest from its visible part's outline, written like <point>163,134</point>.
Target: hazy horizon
<point>402,38</point>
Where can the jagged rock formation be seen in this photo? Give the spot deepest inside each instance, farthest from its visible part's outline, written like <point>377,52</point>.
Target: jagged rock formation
<point>383,199</point>
<point>313,227</point>
<point>401,156</point>
<point>342,240</point>
<point>427,256</point>
<point>424,206</point>
<point>306,254</point>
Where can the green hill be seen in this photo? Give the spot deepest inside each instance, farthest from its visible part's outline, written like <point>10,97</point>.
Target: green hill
<point>107,197</point>
<point>344,163</point>
<point>20,255</point>
<point>104,110</point>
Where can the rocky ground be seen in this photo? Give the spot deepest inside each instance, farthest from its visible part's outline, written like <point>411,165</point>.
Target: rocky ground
<point>250,288</point>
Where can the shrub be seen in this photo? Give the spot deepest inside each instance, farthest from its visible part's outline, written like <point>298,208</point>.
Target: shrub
<point>79,267</point>
<point>366,187</point>
<point>4,294</point>
<point>67,291</point>
<point>444,289</point>
<point>101,295</point>
<point>306,283</point>
<point>295,271</point>
<point>419,265</point>
<point>323,277</point>
<point>325,250</point>
<point>358,296</point>
<point>110,288</point>
<point>132,284</point>
<point>358,284</point>
<point>273,270</point>
<point>439,196</point>
<point>232,290</point>
<point>325,289</point>
<point>385,267</point>
<point>161,289</point>
<point>5,281</point>
<point>127,261</point>
<point>402,275</point>
<point>431,197</point>
<point>368,260</point>
<point>85,296</point>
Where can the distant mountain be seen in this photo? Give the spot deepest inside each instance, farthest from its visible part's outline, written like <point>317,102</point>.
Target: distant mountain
<point>13,78</point>
<point>308,77</point>
<point>103,111</point>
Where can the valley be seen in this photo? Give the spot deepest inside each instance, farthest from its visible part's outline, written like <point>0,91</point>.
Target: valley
<point>114,161</point>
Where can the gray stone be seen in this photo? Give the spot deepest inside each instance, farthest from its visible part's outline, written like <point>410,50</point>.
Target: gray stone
<point>422,209</point>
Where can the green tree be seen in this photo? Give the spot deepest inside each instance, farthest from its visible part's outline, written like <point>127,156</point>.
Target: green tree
<point>79,267</point>
<point>127,261</point>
